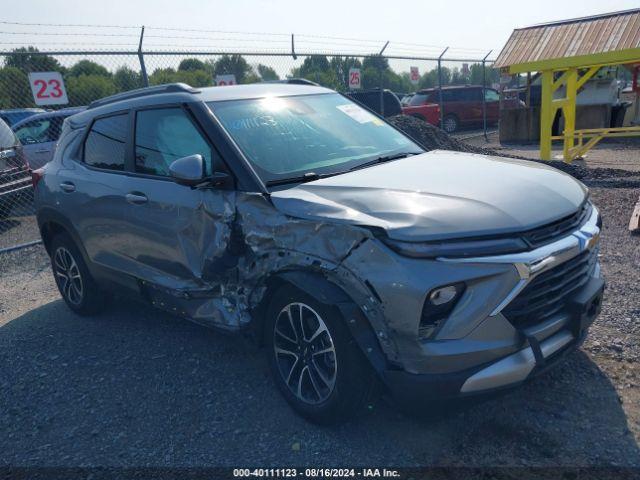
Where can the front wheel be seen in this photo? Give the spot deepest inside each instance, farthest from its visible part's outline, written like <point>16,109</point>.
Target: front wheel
<point>315,362</point>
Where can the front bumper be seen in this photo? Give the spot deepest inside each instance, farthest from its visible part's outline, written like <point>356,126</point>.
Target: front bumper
<point>511,370</point>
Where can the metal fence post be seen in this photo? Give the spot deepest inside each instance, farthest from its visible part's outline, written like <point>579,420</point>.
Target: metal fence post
<point>440,87</point>
<point>382,79</point>
<point>484,95</point>
<point>143,69</point>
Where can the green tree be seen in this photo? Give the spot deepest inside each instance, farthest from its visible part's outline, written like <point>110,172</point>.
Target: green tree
<point>196,78</point>
<point>340,66</point>
<point>84,89</point>
<point>267,73</point>
<point>126,79</point>
<point>313,65</point>
<point>87,67</point>
<point>14,89</point>
<point>236,65</point>
<point>28,60</point>
<point>192,64</point>
<point>376,61</point>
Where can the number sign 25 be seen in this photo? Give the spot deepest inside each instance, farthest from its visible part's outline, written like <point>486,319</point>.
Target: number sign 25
<point>48,88</point>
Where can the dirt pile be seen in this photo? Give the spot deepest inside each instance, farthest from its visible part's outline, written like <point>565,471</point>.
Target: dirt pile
<point>431,137</point>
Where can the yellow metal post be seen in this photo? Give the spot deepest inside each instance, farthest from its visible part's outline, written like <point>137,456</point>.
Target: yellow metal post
<point>547,112</point>
<point>569,111</point>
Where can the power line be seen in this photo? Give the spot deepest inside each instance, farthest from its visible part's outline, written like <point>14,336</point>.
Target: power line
<point>66,25</point>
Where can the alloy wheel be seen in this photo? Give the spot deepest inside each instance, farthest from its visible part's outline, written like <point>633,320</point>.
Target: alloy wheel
<point>68,276</point>
<point>305,353</point>
<point>450,125</point>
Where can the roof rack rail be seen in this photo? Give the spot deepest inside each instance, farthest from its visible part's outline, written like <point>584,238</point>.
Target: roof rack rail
<point>143,92</point>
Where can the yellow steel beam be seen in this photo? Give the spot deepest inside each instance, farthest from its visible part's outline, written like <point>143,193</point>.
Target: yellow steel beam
<point>547,113</point>
<point>558,83</point>
<point>595,135</point>
<point>619,57</point>
<point>569,111</point>
<point>587,75</point>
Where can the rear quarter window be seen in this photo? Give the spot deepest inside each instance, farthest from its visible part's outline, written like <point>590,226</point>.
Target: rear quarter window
<point>104,146</point>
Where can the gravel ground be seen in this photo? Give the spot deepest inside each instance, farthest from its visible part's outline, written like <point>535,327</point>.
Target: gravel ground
<point>137,387</point>
<point>18,227</point>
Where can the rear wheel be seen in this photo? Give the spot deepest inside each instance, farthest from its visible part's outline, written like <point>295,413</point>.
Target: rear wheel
<point>450,123</point>
<point>76,285</point>
<point>314,360</point>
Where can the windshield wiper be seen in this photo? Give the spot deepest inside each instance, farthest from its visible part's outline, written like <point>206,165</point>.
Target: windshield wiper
<point>307,177</point>
<point>383,159</point>
<point>310,176</point>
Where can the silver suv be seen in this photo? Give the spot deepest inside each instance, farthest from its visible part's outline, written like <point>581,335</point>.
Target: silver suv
<point>356,258</point>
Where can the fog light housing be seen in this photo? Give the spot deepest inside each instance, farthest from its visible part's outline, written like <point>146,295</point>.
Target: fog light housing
<point>437,307</point>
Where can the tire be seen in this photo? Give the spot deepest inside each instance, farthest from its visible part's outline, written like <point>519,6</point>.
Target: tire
<point>325,388</point>
<point>450,123</point>
<point>75,284</point>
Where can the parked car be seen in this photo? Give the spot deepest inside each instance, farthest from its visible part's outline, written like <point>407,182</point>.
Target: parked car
<point>39,134</point>
<point>15,179</point>
<point>416,106</point>
<point>371,100</point>
<point>297,216</point>
<point>462,105</point>
<point>15,115</point>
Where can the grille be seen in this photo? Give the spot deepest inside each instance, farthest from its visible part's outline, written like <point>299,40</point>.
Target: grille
<point>552,231</point>
<point>547,293</point>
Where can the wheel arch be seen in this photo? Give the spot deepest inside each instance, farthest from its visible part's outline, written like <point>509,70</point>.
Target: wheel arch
<point>52,223</point>
<point>319,287</point>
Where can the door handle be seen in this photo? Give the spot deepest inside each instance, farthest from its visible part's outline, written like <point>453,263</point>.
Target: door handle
<point>68,187</point>
<point>43,150</point>
<point>136,198</point>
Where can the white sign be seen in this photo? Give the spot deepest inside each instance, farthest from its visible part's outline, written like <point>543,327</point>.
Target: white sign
<point>224,80</point>
<point>48,88</point>
<point>359,114</point>
<point>355,79</point>
<point>414,76</point>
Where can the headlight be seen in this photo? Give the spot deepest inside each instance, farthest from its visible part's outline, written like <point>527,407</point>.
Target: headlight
<point>457,248</point>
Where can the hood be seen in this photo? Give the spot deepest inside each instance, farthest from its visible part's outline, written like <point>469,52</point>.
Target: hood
<point>439,194</point>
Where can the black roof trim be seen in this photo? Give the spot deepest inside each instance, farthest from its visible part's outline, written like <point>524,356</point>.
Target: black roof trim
<point>143,92</point>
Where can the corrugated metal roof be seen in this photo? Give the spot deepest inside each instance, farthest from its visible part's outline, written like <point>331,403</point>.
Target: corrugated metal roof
<point>571,38</point>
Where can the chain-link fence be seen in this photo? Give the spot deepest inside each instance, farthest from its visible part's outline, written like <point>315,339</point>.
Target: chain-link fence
<point>39,89</point>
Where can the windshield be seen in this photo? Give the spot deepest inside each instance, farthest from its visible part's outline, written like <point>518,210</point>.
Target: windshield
<point>286,137</point>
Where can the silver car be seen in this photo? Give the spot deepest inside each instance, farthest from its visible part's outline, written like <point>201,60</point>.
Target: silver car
<point>295,215</point>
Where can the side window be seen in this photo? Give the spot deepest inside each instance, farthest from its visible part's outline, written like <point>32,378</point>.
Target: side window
<point>37,131</point>
<point>105,144</point>
<point>470,95</point>
<point>449,96</point>
<point>163,135</point>
<point>491,96</point>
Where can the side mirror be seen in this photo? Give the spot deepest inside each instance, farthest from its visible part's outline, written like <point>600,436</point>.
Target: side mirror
<point>188,170</point>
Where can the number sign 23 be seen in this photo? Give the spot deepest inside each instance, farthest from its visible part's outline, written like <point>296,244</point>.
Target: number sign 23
<point>48,88</point>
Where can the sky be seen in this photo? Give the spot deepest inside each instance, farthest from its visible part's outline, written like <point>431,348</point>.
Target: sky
<point>471,28</point>
<point>462,23</point>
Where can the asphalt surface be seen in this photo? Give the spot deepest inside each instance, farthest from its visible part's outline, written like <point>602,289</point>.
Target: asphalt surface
<point>136,387</point>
